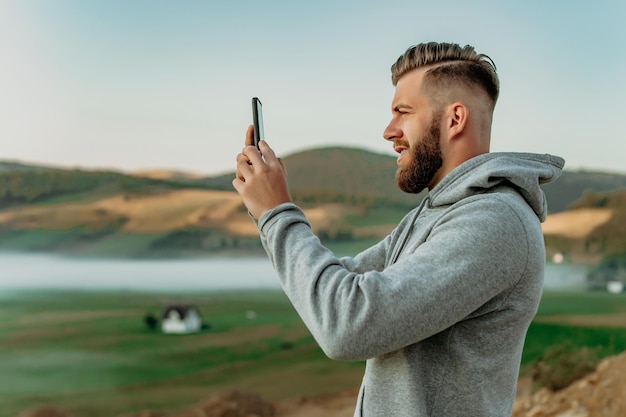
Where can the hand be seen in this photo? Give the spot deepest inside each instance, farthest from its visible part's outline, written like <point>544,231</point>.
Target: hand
<point>261,177</point>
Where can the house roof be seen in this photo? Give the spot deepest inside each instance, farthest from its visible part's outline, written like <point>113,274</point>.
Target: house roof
<point>181,309</point>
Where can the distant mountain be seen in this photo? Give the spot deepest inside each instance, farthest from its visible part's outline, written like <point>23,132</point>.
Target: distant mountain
<point>570,187</point>
<point>26,184</point>
<point>166,174</point>
<point>326,175</point>
<point>10,166</point>
<point>593,228</point>
<point>336,175</point>
<point>611,234</point>
<point>346,175</point>
<point>348,193</point>
<point>352,175</point>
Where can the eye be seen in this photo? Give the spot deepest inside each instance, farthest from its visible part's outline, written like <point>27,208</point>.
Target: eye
<point>401,110</point>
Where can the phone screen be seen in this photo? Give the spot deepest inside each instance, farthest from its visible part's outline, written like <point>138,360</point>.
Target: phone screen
<point>257,117</point>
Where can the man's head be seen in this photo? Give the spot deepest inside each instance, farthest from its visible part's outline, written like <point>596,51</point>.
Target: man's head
<point>449,67</point>
<point>442,111</point>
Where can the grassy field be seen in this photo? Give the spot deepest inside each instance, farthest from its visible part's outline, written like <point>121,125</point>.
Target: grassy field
<point>592,319</point>
<point>91,352</point>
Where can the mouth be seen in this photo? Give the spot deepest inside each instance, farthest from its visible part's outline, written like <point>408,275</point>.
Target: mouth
<point>401,151</point>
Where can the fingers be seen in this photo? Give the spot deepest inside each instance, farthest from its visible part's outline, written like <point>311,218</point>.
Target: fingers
<point>250,136</point>
<point>254,156</point>
<point>251,157</point>
<point>243,166</point>
<point>237,184</point>
<point>268,156</point>
<point>268,153</point>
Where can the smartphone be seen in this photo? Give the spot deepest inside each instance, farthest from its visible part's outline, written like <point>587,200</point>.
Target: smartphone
<point>257,119</point>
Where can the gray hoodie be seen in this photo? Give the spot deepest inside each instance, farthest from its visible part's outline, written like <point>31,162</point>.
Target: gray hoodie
<point>439,309</point>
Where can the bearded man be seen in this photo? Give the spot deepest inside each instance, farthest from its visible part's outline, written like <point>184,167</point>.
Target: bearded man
<point>439,309</point>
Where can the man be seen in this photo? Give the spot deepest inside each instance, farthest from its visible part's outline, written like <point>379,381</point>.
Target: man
<point>441,306</point>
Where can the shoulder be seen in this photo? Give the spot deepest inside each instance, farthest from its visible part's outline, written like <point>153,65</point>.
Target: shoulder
<point>501,218</point>
<point>505,204</point>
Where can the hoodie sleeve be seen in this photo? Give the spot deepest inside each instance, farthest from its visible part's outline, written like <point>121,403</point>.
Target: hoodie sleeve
<point>473,253</point>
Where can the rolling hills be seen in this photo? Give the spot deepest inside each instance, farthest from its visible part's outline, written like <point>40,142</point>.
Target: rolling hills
<point>593,230</point>
<point>349,195</point>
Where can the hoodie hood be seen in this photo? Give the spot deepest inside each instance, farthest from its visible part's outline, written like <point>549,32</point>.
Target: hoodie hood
<point>523,171</point>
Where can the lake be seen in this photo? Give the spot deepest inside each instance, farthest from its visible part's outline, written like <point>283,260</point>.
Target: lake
<point>40,271</point>
<point>31,271</point>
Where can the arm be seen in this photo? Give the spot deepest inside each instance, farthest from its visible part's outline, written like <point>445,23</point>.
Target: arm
<point>474,253</point>
<point>262,182</point>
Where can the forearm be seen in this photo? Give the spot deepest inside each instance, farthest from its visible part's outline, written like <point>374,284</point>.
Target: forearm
<point>358,315</point>
<point>320,286</point>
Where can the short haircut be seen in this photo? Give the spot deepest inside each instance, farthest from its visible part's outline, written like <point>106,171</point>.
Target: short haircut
<point>450,66</point>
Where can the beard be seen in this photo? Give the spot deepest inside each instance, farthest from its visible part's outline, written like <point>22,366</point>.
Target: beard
<point>425,159</point>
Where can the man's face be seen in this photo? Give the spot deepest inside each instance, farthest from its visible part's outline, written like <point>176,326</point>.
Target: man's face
<point>415,132</point>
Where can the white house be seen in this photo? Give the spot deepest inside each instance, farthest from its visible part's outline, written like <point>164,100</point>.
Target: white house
<point>181,319</point>
<point>615,287</point>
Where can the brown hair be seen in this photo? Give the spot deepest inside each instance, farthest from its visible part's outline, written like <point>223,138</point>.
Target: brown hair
<point>452,65</point>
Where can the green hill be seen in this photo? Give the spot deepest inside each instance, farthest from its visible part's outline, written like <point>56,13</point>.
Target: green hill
<point>571,186</point>
<point>22,184</point>
<point>604,239</point>
<point>336,175</point>
<point>357,176</point>
<point>333,174</point>
<point>46,208</point>
<point>346,175</point>
<point>8,166</point>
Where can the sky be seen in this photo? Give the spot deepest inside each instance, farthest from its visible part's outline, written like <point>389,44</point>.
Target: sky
<point>150,84</point>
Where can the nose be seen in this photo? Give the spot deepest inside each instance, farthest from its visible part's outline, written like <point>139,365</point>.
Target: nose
<point>392,132</point>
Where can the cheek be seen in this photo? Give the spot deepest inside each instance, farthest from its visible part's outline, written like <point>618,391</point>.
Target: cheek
<point>413,133</point>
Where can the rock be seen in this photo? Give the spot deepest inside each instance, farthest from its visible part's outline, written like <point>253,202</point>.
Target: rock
<point>598,394</point>
<point>231,404</point>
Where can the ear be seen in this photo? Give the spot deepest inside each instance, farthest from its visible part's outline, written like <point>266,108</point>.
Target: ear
<point>457,121</point>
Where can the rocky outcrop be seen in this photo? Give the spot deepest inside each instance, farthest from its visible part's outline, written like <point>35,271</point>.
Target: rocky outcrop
<point>600,394</point>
